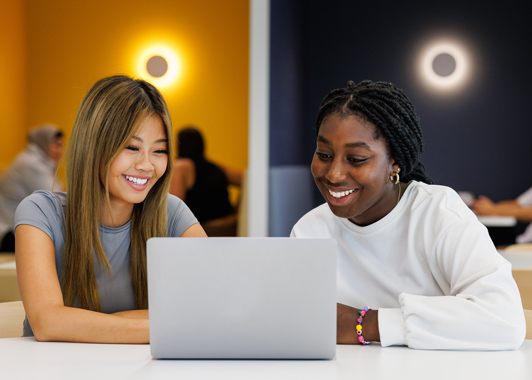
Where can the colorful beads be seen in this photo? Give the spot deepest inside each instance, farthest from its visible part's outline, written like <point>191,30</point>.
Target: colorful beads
<point>360,320</point>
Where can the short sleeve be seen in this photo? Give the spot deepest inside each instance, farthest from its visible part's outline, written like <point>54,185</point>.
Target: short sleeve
<point>180,218</point>
<point>525,199</point>
<point>42,210</point>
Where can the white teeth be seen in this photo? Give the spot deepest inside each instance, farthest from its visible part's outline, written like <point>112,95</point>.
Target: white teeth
<point>137,181</point>
<point>341,193</point>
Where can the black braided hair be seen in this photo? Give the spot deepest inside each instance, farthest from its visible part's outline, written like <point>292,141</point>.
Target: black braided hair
<point>389,110</point>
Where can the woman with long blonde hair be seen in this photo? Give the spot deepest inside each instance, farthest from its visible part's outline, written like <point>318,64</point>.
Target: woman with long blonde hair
<point>81,255</point>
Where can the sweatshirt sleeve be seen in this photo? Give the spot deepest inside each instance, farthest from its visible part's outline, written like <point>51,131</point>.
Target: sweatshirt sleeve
<point>482,308</point>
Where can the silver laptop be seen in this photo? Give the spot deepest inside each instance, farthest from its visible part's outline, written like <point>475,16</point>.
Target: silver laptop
<point>242,298</point>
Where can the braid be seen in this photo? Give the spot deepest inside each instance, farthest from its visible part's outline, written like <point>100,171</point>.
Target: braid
<point>394,117</point>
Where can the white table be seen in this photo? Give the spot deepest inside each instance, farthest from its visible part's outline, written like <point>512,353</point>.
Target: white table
<point>498,221</point>
<point>9,267</point>
<point>518,259</point>
<point>25,358</point>
<point>500,228</point>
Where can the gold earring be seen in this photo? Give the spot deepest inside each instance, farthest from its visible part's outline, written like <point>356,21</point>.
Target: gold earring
<point>395,180</point>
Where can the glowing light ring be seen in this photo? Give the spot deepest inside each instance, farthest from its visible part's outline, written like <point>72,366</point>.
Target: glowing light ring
<point>174,66</point>
<point>459,73</point>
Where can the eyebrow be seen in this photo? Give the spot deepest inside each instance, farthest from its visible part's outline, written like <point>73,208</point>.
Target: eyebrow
<point>348,145</point>
<point>158,141</point>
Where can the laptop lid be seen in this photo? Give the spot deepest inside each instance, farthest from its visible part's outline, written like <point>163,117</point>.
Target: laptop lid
<point>242,298</point>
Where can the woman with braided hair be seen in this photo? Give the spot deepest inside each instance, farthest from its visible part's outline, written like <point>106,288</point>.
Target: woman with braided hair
<point>415,266</point>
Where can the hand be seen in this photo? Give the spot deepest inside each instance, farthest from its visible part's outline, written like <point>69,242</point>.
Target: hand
<point>346,332</point>
<point>483,206</point>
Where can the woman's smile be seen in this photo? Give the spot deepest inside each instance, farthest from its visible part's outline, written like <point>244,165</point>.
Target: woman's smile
<point>137,182</point>
<point>339,197</point>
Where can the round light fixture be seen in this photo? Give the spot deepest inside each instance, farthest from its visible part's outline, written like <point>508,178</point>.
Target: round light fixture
<point>159,65</point>
<point>444,65</point>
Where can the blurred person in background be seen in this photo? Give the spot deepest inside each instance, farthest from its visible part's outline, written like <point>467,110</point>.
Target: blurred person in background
<point>33,169</point>
<point>203,185</point>
<point>520,208</point>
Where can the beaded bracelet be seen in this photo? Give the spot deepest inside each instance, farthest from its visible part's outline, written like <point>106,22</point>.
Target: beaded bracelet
<point>360,320</point>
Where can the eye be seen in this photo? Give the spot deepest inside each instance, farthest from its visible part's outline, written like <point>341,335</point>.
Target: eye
<point>323,156</point>
<point>162,151</point>
<point>132,147</point>
<point>354,160</point>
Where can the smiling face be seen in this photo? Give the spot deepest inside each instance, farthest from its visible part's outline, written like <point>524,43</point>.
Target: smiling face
<point>352,170</point>
<point>137,167</point>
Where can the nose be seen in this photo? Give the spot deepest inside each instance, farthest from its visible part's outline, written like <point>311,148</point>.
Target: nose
<point>144,163</point>
<point>337,171</point>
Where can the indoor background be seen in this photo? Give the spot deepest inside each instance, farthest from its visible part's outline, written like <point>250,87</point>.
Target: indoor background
<point>477,137</point>
<point>54,50</point>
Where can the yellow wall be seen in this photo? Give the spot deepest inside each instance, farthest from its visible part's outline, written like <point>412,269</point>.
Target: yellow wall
<point>13,68</point>
<point>73,43</point>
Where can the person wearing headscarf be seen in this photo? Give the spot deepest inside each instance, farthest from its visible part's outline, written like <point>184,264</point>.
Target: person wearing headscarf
<point>33,169</point>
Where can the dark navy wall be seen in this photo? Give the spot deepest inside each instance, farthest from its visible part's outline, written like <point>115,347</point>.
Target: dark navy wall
<point>479,139</point>
<point>289,137</point>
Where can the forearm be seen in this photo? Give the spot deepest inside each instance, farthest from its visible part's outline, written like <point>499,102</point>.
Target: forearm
<point>136,314</point>
<point>512,208</point>
<point>504,208</point>
<point>60,323</point>
<point>346,332</point>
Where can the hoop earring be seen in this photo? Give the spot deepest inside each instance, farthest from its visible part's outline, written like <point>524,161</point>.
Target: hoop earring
<point>395,180</point>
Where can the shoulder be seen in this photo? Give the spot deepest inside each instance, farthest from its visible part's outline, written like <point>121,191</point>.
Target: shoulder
<point>173,203</point>
<point>183,164</point>
<point>24,162</point>
<point>437,198</point>
<point>46,199</point>
<point>180,218</point>
<point>437,210</point>
<point>316,223</point>
<point>44,210</point>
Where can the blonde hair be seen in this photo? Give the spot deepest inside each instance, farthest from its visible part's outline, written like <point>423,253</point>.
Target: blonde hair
<point>106,121</point>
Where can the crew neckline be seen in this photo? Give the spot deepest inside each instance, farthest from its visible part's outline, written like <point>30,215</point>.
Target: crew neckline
<point>116,230</point>
<point>396,211</point>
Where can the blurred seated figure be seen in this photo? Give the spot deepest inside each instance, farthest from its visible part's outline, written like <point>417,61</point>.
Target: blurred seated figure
<point>203,185</point>
<point>33,169</point>
<point>520,208</point>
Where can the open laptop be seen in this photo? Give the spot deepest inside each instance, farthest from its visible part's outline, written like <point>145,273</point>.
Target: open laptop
<point>242,298</point>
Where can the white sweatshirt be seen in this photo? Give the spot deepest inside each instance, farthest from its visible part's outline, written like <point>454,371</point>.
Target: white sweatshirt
<point>431,270</point>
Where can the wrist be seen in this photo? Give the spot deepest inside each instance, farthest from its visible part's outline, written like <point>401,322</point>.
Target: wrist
<point>371,326</point>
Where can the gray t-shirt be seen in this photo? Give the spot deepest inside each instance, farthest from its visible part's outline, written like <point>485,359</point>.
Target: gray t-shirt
<point>46,211</point>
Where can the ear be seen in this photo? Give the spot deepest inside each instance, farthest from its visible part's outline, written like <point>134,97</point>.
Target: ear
<point>394,166</point>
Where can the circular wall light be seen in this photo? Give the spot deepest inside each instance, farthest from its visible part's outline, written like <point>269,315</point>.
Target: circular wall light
<point>159,65</point>
<point>444,65</point>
